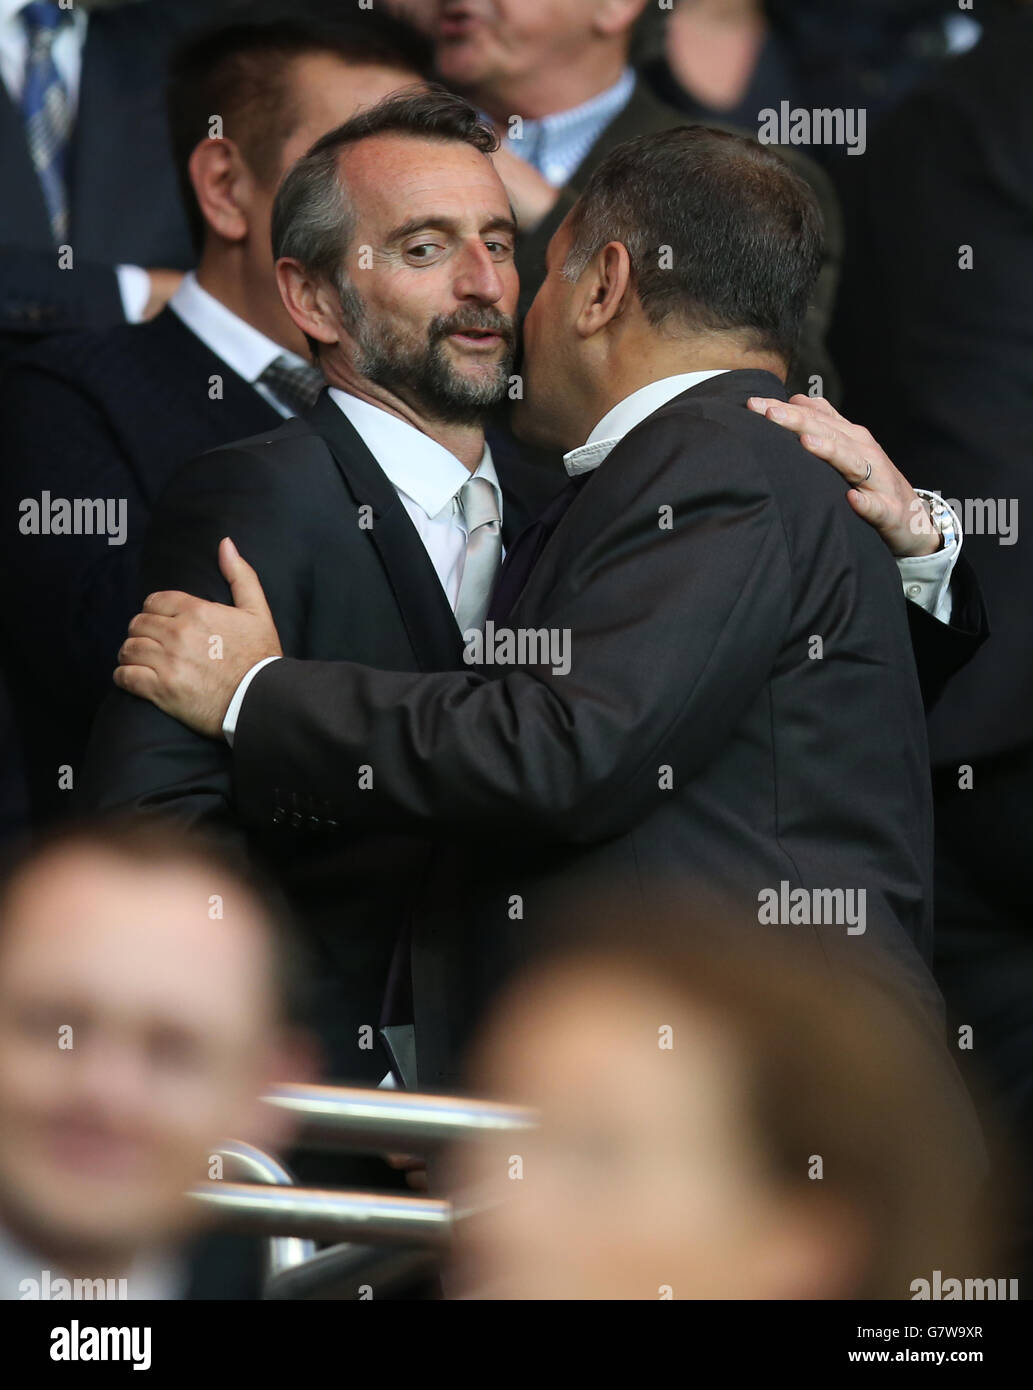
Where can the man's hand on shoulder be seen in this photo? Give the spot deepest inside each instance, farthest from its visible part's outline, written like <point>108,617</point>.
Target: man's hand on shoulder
<point>879,492</point>
<point>187,656</point>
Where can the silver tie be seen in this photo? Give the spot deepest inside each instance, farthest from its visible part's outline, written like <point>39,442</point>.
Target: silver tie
<point>478,504</point>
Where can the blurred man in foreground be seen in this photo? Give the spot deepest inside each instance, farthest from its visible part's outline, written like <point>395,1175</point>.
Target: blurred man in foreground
<point>141,1018</point>
<point>718,1120</point>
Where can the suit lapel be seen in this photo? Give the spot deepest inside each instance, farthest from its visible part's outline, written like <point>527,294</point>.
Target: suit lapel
<point>245,411</point>
<point>428,619</point>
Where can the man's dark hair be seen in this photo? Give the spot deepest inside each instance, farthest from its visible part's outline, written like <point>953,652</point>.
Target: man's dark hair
<point>238,70</point>
<point>723,236</point>
<point>313,220</point>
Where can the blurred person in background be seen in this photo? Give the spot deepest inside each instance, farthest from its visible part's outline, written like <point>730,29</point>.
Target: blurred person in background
<point>112,413</point>
<point>85,164</point>
<point>418,12</point>
<point>123,1065</point>
<point>727,60</point>
<point>720,1118</point>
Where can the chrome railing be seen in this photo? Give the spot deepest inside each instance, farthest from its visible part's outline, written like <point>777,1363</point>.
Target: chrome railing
<point>373,1120</point>
<point>369,1218</point>
<point>357,1224</point>
<point>286,1249</point>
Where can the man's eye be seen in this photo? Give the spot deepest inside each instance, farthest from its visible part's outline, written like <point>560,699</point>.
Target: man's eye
<point>499,248</point>
<point>423,251</point>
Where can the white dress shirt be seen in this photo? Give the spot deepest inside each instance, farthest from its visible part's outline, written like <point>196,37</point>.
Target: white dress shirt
<point>134,284</point>
<point>239,344</point>
<point>427,479</point>
<point>925,579</point>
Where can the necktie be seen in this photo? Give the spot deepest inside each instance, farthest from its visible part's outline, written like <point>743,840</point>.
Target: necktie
<point>296,384</point>
<point>479,507</point>
<point>47,111</point>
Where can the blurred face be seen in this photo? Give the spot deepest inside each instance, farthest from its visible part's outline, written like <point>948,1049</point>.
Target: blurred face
<point>431,267</point>
<point>492,42</point>
<point>546,415</point>
<point>326,92</point>
<point>645,1174</point>
<point>135,1033</point>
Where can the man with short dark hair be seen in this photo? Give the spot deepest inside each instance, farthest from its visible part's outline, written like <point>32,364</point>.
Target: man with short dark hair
<point>109,415</point>
<point>697,662</point>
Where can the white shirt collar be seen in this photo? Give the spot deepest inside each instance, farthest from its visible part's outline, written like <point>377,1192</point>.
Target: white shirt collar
<point>628,413</point>
<point>239,344</point>
<point>414,463</point>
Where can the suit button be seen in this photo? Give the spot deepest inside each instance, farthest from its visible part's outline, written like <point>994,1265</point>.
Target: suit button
<point>297,820</point>
<point>278,816</point>
<point>331,824</point>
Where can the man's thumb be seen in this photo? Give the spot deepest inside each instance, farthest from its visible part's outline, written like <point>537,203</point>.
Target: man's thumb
<point>243,581</point>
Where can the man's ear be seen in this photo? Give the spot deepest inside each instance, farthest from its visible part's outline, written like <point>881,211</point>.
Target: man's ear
<point>607,285</point>
<point>310,302</point>
<point>221,183</point>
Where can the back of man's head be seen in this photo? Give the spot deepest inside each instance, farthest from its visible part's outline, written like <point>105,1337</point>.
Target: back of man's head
<point>722,235</point>
<point>233,78</point>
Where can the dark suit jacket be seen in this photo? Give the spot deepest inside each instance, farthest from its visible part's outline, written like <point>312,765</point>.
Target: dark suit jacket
<point>692,650</point>
<point>646,115</point>
<point>105,414</point>
<point>124,196</point>
<point>938,360</point>
<point>339,591</point>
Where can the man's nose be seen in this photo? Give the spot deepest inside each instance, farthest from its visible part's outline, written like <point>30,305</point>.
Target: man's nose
<point>478,275</point>
<point>113,1076</point>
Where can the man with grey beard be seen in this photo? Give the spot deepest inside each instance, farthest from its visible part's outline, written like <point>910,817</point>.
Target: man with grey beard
<point>376,521</point>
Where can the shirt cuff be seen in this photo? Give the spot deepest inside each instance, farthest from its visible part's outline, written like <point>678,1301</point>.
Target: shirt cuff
<point>927,578</point>
<point>134,285</point>
<point>229,724</point>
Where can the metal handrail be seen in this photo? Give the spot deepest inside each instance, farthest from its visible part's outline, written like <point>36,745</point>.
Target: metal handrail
<point>354,1272</point>
<point>371,1120</point>
<point>283,1251</point>
<point>368,1218</point>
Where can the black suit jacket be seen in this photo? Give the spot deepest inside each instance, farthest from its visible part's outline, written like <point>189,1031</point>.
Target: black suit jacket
<point>105,414</point>
<point>645,114</point>
<point>124,197</point>
<point>938,360</point>
<point>343,585</point>
<point>693,663</point>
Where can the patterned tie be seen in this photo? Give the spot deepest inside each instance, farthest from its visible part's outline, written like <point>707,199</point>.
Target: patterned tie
<point>47,111</point>
<point>480,511</point>
<point>296,384</point>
